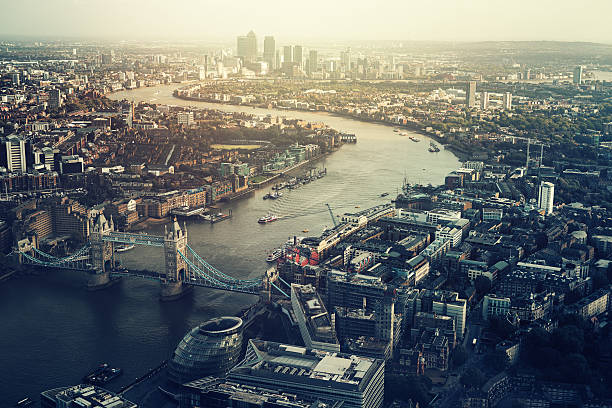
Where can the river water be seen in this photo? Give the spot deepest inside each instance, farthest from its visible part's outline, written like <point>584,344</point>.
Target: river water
<point>53,331</point>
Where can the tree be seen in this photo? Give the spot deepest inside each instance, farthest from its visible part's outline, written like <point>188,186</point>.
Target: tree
<point>568,339</point>
<point>406,387</point>
<point>459,356</point>
<point>482,285</point>
<point>472,378</point>
<point>501,326</point>
<point>498,360</point>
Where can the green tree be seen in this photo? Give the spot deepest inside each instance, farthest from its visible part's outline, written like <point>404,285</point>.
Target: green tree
<point>482,285</point>
<point>497,360</point>
<point>459,356</point>
<point>472,378</point>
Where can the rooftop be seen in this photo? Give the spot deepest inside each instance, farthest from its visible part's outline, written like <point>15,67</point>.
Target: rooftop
<point>87,396</point>
<point>316,367</point>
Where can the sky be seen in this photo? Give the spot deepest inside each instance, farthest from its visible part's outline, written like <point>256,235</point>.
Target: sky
<point>315,20</point>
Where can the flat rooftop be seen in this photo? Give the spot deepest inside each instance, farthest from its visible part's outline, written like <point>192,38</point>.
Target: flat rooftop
<point>298,364</point>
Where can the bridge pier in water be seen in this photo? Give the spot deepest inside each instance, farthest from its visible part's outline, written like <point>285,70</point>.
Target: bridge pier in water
<point>102,253</point>
<point>175,244</point>
<point>183,267</point>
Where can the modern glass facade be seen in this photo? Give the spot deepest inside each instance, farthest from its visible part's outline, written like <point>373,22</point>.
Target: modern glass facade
<point>210,349</point>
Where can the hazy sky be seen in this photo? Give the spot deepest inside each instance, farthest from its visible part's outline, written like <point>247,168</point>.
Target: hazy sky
<point>462,20</point>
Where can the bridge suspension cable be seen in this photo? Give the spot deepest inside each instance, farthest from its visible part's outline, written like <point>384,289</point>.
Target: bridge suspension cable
<point>231,284</point>
<point>217,272</point>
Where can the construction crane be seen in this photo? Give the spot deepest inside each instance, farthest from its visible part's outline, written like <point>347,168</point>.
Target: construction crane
<point>333,217</point>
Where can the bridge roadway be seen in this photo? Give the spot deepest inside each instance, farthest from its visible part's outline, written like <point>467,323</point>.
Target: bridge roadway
<point>201,282</point>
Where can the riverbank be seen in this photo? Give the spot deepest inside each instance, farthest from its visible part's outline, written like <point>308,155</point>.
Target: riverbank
<point>414,127</point>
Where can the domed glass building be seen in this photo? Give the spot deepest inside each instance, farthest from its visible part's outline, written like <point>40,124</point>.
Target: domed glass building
<point>212,348</point>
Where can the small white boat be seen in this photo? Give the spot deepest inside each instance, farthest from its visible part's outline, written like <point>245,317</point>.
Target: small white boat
<point>124,248</point>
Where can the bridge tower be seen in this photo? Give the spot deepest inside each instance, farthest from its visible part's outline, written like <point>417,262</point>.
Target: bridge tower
<point>102,252</point>
<point>175,240</point>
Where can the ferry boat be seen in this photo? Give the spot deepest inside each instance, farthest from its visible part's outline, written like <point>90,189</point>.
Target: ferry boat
<point>274,255</point>
<point>26,402</point>
<point>124,248</point>
<point>275,195</point>
<point>267,219</point>
<point>414,139</point>
<point>433,148</point>
<point>103,374</point>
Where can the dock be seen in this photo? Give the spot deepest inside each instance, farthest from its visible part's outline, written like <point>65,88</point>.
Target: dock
<point>187,211</point>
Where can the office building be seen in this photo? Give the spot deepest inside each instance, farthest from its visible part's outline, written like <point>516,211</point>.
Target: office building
<point>287,54</point>
<point>14,154</point>
<point>345,59</point>
<point>470,94</point>
<point>298,55</point>
<point>71,164</point>
<point>484,100</point>
<point>313,320</point>
<point>185,118</point>
<point>269,53</point>
<point>578,75</point>
<point>354,290</point>
<point>216,392</point>
<point>15,79</point>
<point>246,47</point>
<point>313,61</point>
<point>83,396</point>
<point>312,374</point>
<point>55,99</point>
<point>546,197</point>
<point>440,302</point>
<point>507,101</point>
<point>212,348</point>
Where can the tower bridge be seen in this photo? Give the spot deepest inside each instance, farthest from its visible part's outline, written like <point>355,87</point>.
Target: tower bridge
<point>184,267</point>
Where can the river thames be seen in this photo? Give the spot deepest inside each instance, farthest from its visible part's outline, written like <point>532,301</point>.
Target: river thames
<point>53,331</point>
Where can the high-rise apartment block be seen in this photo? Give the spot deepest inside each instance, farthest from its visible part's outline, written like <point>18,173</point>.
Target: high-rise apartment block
<point>546,197</point>
<point>470,94</point>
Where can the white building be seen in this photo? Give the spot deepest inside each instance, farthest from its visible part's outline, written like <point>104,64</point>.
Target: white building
<point>546,197</point>
<point>15,154</point>
<point>185,118</point>
<point>454,235</point>
<point>507,101</point>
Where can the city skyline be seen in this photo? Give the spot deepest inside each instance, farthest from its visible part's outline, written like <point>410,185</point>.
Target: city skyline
<point>474,20</point>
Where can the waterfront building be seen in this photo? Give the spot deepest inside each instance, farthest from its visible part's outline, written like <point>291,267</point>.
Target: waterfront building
<point>211,348</point>
<point>546,197</point>
<point>83,396</point>
<point>220,393</point>
<point>470,94</point>
<point>269,52</point>
<point>312,374</point>
<point>313,320</point>
<point>578,75</point>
